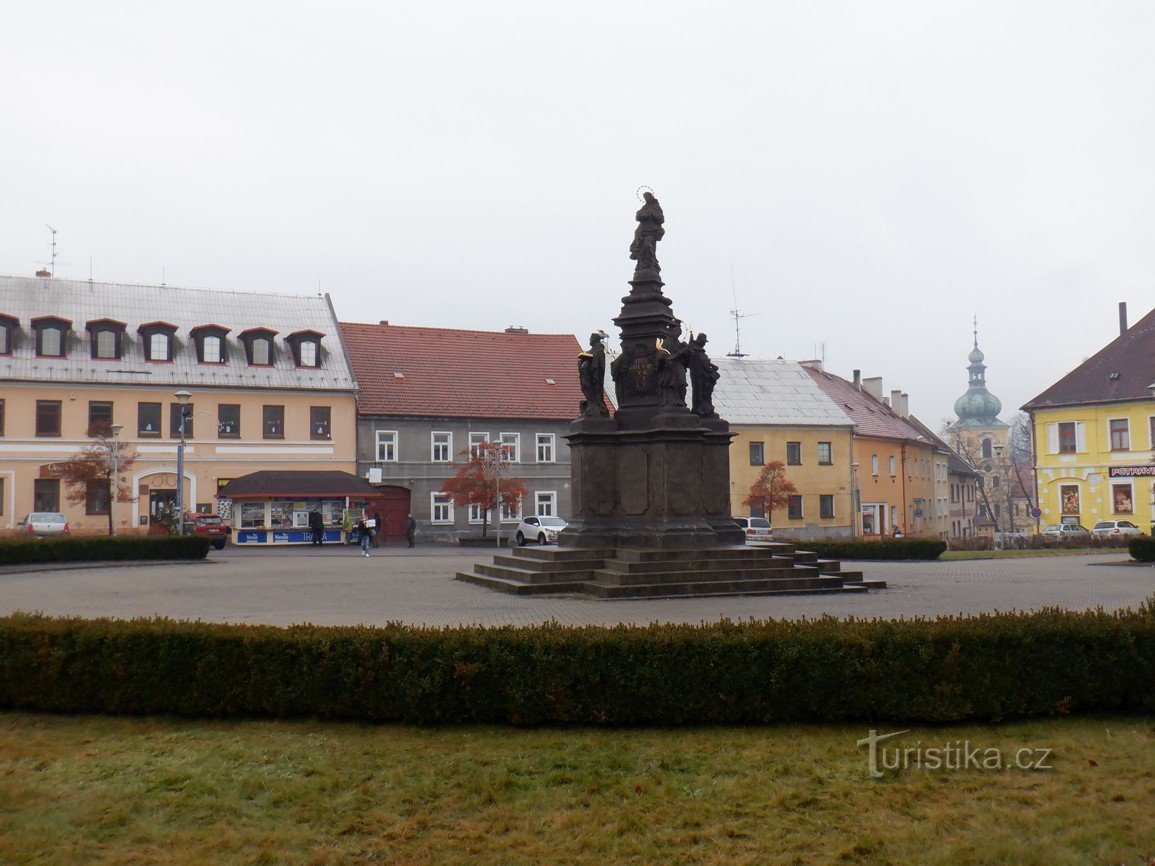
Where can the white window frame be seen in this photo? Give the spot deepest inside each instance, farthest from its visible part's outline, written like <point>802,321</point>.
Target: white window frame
<point>547,441</point>
<point>105,343</point>
<point>385,437</point>
<point>510,516</point>
<point>893,464</point>
<point>443,504</point>
<point>873,464</point>
<point>548,499</point>
<point>476,513</point>
<point>475,440</point>
<point>447,444</point>
<point>159,347</point>
<point>510,447</point>
<point>309,351</point>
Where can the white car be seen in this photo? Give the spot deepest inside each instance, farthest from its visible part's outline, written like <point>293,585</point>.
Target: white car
<point>755,528</point>
<point>543,530</point>
<point>1115,529</point>
<point>44,524</point>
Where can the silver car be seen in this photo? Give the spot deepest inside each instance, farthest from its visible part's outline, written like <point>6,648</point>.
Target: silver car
<point>44,524</point>
<point>1115,529</point>
<point>543,530</point>
<point>1066,532</point>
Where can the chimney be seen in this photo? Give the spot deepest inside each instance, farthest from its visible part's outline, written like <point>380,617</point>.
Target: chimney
<point>872,385</point>
<point>857,380</point>
<point>1122,318</point>
<point>383,322</point>
<point>517,329</point>
<point>896,401</point>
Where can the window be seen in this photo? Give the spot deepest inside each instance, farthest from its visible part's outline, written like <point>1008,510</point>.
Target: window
<point>50,336</point>
<point>309,353</point>
<point>996,481</point>
<point>475,442</point>
<point>148,419</point>
<point>874,464</point>
<point>47,423</point>
<point>441,446</point>
<point>1067,439</point>
<point>1,496</point>
<point>261,352</point>
<point>440,508</point>
<point>212,350</point>
<point>8,325</point>
<point>511,447</point>
<point>1,417</point>
<point>157,340</point>
<point>306,347</point>
<point>1121,499</point>
<point>793,453</point>
<point>46,494</point>
<point>826,506</point>
<point>319,418</point>
<point>273,422</point>
<point>105,344</point>
<point>757,453</point>
<point>545,503</point>
<point>1069,498</point>
<point>1120,434</point>
<point>252,515</point>
<point>892,466</point>
<point>545,447</point>
<point>96,497</point>
<point>175,418</point>
<point>386,451</point>
<point>211,345</point>
<point>509,514</point>
<point>794,507</point>
<point>825,454</point>
<point>987,452</point>
<point>476,513</point>
<point>229,421</point>
<point>99,418</point>
<point>1151,431</point>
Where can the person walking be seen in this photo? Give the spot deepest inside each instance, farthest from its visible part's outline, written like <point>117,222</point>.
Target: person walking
<point>411,530</point>
<point>378,529</point>
<point>364,535</point>
<point>317,525</point>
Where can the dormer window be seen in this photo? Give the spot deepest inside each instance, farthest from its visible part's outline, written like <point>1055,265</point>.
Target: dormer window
<point>258,343</point>
<point>210,343</point>
<point>105,336</point>
<point>306,346</point>
<point>157,338</point>
<point>51,333</point>
<point>8,326</point>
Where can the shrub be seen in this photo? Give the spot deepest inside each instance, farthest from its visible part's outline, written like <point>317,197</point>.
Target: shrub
<point>891,548</point>
<point>1142,548</point>
<point>988,667</point>
<point>100,548</point>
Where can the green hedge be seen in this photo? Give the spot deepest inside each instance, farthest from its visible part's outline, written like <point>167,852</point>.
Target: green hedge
<point>1142,548</point>
<point>982,668</point>
<point>98,548</point>
<point>894,548</point>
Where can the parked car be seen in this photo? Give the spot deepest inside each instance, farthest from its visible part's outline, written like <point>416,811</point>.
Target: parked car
<point>543,530</point>
<point>1115,529</point>
<point>1066,532</point>
<point>209,525</point>
<point>755,528</point>
<point>44,524</point>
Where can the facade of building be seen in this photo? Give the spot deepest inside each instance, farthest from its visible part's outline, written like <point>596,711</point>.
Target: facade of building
<point>429,395</point>
<point>1094,434</point>
<point>265,378</point>
<point>779,413</point>
<point>895,465</point>
<point>964,486</point>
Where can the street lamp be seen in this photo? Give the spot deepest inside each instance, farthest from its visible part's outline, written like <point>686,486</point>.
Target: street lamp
<point>182,398</point>
<point>855,505</point>
<point>113,485</point>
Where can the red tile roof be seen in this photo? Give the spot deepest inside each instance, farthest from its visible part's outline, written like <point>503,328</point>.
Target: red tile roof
<point>1121,370</point>
<point>871,417</point>
<point>463,374</point>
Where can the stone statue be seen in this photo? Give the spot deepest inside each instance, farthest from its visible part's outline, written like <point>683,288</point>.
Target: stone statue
<point>644,249</point>
<point>591,375</point>
<point>703,377</point>
<point>672,367</point>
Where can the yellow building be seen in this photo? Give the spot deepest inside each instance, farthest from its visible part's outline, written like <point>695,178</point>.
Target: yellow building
<point>264,377</point>
<point>779,413</point>
<point>1094,435</point>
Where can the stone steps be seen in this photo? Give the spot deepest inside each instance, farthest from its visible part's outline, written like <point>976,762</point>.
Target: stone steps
<point>519,587</point>
<point>769,586</point>
<point>527,575</point>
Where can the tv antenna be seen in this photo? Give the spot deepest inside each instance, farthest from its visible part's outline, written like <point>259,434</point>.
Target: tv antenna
<point>52,264</point>
<point>737,316</point>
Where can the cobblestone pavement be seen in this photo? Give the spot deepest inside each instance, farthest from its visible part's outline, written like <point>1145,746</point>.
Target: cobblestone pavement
<point>337,586</point>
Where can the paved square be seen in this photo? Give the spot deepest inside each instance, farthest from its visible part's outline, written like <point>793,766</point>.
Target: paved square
<point>337,586</point>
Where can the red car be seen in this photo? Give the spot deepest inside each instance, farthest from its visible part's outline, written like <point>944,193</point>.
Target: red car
<point>208,525</point>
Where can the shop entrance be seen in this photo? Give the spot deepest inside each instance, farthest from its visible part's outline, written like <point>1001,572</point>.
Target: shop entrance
<point>394,503</point>
<point>160,502</point>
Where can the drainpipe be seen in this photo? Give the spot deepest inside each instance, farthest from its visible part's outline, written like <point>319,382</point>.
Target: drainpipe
<point>905,528</point>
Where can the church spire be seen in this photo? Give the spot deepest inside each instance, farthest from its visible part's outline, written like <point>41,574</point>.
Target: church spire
<point>978,407</point>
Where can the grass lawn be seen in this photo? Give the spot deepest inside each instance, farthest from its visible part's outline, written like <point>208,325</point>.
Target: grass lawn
<point>1046,551</point>
<point>97,790</point>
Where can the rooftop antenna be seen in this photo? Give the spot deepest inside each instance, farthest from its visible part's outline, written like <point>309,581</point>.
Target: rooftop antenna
<point>162,276</point>
<point>736,315</point>
<point>52,266</point>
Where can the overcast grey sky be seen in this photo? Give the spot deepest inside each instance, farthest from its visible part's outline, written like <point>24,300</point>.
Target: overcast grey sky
<point>873,174</point>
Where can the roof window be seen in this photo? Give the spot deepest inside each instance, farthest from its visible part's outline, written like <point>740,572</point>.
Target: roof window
<point>157,339</point>
<point>51,336</point>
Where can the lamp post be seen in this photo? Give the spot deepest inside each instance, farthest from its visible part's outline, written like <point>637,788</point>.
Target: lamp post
<point>855,505</point>
<point>113,485</point>
<point>182,398</point>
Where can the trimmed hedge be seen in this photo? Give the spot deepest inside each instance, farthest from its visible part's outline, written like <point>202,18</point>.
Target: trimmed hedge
<point>1142,548</point>
<point>101,548</point>
<point>893,548</point>
<point>988,667</point>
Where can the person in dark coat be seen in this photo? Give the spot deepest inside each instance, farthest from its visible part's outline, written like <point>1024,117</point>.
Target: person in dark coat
<point>411,530</point>
<point>378,529</point>
<point>317,524</point>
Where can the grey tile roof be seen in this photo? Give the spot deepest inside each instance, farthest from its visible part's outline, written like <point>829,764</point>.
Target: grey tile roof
<point>773,392</point>
<point>79,301</point>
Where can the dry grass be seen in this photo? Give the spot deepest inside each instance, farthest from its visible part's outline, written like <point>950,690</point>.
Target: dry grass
<point>113,790</point>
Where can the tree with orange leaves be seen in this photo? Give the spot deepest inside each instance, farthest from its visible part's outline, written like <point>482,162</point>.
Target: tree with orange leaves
<point>486,480</point>
<point>771,490</point>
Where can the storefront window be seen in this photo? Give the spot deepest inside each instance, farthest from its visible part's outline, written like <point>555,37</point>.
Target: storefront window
<point>252,515</point>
